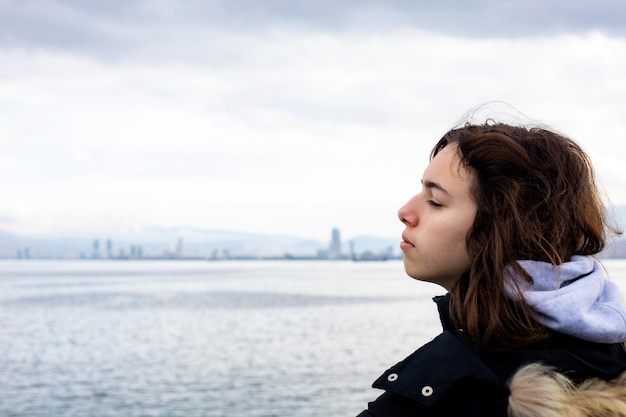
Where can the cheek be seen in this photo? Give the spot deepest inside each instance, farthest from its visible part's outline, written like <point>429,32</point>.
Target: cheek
<point>454,231</point>
<point>457,241</point>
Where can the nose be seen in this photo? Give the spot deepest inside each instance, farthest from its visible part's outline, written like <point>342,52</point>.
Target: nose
<point>408,213</point>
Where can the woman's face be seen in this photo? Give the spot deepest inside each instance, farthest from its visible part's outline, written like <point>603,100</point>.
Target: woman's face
<point>438,220</point>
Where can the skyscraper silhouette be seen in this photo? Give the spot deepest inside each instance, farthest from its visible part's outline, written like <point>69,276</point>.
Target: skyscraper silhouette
<point>335,245</point>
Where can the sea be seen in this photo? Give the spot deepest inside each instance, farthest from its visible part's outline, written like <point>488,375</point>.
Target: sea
<point>197,338</point>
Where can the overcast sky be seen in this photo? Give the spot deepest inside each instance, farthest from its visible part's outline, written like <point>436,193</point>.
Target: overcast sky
<point>288,117</point>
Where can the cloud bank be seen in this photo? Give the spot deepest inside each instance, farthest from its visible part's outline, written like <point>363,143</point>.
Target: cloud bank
<point>279,116</point>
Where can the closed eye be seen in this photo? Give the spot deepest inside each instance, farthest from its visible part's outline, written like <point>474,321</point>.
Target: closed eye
<point>434,204</point>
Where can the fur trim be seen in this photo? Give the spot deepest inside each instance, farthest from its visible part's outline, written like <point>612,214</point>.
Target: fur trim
<point>539,391</point>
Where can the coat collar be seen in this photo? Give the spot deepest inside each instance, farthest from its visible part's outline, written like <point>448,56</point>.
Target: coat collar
<point>428,374</point>
<point>431,371</point>
<point>443,306</point>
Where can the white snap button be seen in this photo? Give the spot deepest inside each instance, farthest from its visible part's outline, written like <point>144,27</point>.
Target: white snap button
<point>392,377</point>
<point>427,391</point>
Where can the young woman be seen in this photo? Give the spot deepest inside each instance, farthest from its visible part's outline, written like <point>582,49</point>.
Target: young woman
<point>508,221</point>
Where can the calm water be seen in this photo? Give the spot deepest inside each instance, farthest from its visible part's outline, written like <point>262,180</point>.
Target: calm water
<point>235,339</point>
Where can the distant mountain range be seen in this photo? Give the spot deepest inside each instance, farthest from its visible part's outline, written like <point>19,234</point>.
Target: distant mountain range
<point>184,242</point>
<point>202,243</point>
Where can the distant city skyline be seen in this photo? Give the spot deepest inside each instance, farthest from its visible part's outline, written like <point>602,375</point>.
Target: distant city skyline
<point>203,244</point>
<point>229,246</point>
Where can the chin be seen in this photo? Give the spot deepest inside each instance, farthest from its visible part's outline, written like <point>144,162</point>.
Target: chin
<point>415,274</point>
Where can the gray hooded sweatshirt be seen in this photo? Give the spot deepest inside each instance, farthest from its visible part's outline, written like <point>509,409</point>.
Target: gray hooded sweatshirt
<point>575,298</point>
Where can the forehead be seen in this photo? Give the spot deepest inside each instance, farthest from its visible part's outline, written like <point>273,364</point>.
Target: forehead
<point>447,170</point>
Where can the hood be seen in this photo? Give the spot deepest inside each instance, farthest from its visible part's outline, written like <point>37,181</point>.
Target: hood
<point>575,298</point>
<point>539,391</point>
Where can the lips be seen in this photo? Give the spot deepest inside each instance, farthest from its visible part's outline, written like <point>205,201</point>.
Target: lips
<point>405,244</point>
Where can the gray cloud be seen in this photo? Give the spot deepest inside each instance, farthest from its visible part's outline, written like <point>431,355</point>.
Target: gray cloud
<point>186,29</point>
<point>125,113</point>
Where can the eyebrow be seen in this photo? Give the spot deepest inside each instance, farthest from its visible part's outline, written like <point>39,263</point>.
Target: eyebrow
<point>430,185</point>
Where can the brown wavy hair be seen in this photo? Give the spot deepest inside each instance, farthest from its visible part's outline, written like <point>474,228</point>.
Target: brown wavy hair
<point>537,199</point>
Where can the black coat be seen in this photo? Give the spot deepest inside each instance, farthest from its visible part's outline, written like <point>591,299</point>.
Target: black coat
<point>452,377</point>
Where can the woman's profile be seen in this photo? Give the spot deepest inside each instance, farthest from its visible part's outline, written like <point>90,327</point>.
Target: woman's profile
<point>508,221</point>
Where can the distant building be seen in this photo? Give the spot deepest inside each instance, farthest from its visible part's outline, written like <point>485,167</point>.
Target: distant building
<point>96,249</point>
<point>109,248</point>
<point>322,254</point>
<point>136,252</point>
<point>334,251</point>
<point>180,248</point>
<point>219,253</point>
